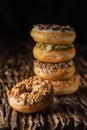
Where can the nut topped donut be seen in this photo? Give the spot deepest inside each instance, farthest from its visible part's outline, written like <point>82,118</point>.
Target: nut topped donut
<point>67,86</point>
<point>53,34</point>
<point>31,95</point>
<point>54,71</point>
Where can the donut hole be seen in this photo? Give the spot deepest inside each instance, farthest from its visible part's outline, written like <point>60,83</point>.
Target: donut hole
<point>25,89</point>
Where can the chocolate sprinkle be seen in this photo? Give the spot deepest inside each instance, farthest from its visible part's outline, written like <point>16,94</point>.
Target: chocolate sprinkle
<point>53,27</point>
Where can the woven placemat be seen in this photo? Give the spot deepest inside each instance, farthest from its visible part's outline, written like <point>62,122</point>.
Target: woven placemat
<point>66,112</point>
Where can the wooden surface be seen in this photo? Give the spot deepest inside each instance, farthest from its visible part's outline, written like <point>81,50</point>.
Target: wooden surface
<point>66,112</point>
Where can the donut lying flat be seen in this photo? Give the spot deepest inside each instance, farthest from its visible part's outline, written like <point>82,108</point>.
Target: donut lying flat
<point>53,56</point>
<point>31,95</point>
<point>53,34</point>
<point>65,87</point>
<point>56,71</point>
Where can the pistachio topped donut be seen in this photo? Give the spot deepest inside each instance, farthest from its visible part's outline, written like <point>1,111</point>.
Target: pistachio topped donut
<point>31,95</point>
<point>53,53</point>
<point>53,34</point>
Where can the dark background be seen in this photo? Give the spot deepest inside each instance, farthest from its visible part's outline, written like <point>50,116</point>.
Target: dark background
<point>18,17</point>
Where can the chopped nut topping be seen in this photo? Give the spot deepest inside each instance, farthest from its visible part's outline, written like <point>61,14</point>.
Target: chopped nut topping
<point>66,82</point>
<point>52,67</point>
<point>32,90</point>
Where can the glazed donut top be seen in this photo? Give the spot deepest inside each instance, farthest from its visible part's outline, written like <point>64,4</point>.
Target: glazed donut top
<point>54,27</point>
<point>50,67</point>
<point>32,90</point>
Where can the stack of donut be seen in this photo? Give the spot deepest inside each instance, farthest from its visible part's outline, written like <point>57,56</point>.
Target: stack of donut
<point>53,66</point>
<point>54,52</point>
